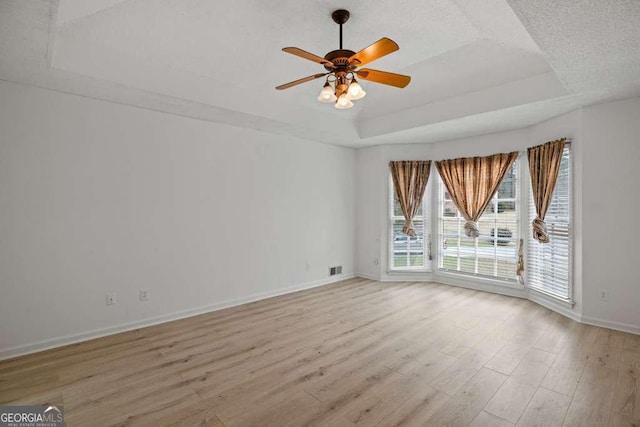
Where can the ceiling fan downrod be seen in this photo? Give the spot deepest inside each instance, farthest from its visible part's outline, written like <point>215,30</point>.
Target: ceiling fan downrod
<point>340,17</point>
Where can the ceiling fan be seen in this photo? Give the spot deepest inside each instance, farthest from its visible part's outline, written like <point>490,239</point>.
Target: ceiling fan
<point>341,86</point>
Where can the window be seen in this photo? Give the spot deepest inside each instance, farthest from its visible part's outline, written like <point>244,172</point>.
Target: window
<point>409,253</point>
<point>549,264</point>
<point>494,253</point>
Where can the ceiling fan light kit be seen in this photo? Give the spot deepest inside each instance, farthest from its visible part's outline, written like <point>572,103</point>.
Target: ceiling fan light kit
<point>341,86</point>
<point>344,102</point>
<point>355,90</point>
<point>327,94</point>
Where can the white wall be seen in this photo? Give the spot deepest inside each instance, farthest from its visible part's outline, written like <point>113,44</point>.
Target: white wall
<point>611,198</point>
<point>97,197</point>
<point>370,225</point>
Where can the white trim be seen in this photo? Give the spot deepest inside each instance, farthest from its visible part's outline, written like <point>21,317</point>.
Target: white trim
<point>567,303</point>
<point>477,279</point>
<point>427,229</point>
<point>481,284</point>
<point>572,227</point>
<point>367,276</point>
<point>564,308</point>
<point>408,276</point>
<point>624,327</point>
<point>552,303</point>
<point>512,289</point>
<point>124,327</point>
<point>408,270</point>
<point>525,186</point>
<point>438,203</point>
<point>570,241</point>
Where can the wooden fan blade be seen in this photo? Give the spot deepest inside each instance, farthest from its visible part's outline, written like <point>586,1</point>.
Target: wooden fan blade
<point>382,47</point>
<point>391,79</point>
<point>297,82</point>
<point>306,55</point>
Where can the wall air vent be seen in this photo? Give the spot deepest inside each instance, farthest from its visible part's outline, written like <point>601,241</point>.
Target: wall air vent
<point>335,270</point>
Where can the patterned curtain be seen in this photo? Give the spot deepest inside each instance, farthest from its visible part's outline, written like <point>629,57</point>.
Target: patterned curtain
<point>544,165</point>
<point>472,182</point>
<point>409,182</point>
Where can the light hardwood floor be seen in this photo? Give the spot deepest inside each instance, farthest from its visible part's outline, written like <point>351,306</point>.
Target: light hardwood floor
<point>355,353</point>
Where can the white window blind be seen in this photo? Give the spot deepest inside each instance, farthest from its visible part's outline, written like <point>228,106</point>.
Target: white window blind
<point>494,253</point>
<point>549,264</point>
<point>409,253</point>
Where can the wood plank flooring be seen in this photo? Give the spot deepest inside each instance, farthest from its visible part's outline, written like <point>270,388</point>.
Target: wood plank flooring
<point>357,352</point>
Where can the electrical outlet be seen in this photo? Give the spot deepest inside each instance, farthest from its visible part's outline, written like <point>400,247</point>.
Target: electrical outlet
<point>144,296</point>
<point>375,261</point>
<point>110,299</point>
<point>604,295</point>
<point>308,267</point>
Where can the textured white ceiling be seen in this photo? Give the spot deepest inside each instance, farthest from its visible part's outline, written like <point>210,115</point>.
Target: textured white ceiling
<point>590,44</point>
<point>473,64</point>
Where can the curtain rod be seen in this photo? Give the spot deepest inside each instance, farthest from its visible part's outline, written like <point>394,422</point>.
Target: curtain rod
<point>567,141</point>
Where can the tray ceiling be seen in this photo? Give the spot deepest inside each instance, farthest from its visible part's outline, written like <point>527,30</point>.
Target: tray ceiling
<point>476,67</point>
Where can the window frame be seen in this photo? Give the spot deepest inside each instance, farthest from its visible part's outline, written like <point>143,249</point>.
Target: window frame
<point>432,235</point>
<point>427,252</point>
<point>570,239</point>
<point>440,209</point>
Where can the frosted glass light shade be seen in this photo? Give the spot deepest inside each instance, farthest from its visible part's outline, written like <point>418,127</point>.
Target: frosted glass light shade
<point>344,102</point>
<point>356,91</point>
<point>326,94</point>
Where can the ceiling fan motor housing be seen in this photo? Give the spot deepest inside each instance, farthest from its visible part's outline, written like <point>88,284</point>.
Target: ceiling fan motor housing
<point>339,58</point>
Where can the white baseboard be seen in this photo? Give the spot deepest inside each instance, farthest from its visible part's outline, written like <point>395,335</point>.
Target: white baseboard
<point>482,285</point>
<point>624,327</point>
<point>407,276</point>
<point>564,308</point>
<point>124,327</point>
<point>515,290</point>
<point>367,276</point>
<point>11,352</point>
<point>463,282</point>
